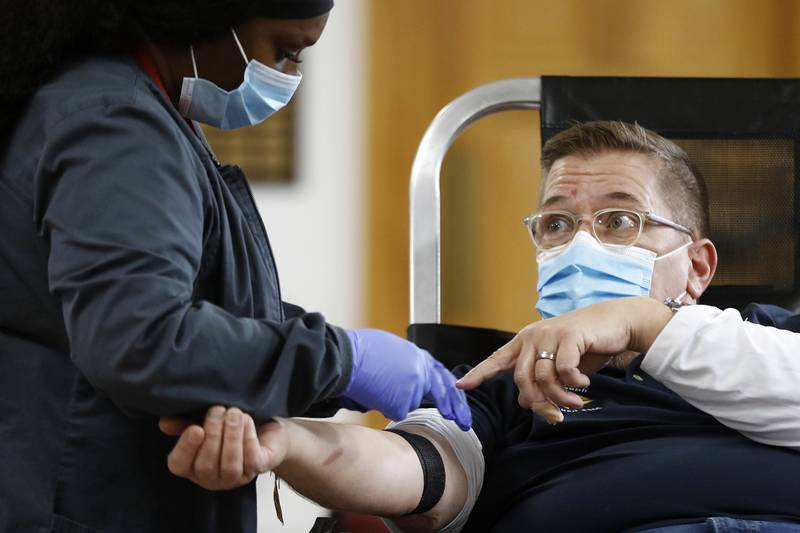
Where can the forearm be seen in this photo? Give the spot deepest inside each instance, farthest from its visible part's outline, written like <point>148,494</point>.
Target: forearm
<point>745,375</point>
<point>131,256</point>
<point>360,469</point>
<point>647,318</point>
<point>190,357</point>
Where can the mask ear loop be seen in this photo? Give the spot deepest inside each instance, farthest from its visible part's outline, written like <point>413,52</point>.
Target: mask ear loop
<point>679,299</point>
<point>236,38</point>
<point>675,251</point>
<point>194,63</point>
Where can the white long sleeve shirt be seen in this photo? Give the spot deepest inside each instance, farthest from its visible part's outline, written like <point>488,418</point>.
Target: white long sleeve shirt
<point>745,375</point>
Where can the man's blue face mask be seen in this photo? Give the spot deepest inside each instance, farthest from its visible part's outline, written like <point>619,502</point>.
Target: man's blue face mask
<point>263,92</point>
<point>585,272</point>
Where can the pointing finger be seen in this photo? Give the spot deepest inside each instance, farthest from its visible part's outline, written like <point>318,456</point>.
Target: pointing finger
<point>501,360</point>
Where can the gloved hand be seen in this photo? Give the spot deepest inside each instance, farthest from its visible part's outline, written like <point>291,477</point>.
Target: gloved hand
<point>392,375</point>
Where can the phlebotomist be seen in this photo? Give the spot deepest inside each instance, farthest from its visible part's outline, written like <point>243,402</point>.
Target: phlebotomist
<point>136,276</point>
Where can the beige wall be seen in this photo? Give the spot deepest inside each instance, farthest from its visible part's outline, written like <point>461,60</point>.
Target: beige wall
<point>424,53</point>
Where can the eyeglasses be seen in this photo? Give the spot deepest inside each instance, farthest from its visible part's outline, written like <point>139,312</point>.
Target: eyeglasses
<point>614,226</point>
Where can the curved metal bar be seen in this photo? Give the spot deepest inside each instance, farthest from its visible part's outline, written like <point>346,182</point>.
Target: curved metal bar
<point>503,95</point>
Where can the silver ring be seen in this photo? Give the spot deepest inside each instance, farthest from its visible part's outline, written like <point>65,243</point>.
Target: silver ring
<point>545,355</point>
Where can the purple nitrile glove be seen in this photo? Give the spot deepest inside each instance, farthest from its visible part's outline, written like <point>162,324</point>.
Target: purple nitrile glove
<point>393,375</point>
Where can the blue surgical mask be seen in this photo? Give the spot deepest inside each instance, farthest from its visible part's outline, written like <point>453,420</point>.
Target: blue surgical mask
<point>585,272</point>
<point>263,92</point>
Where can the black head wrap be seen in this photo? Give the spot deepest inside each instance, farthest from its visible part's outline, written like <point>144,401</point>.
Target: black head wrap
<point>291,9</point>
<point>185,20</point>
<point>38,37</point>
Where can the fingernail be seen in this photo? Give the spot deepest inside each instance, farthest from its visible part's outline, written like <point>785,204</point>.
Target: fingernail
<point>216,413</point>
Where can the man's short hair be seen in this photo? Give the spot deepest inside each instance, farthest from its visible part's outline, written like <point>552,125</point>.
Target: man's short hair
<point>681,184</point>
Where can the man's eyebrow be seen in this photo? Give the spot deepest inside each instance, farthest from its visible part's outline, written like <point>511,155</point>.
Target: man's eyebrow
<point>552,200</point>
<point>617,195</point>
<point>624,196</point>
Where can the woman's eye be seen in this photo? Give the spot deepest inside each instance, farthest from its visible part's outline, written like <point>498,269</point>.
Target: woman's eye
<point>294,57</point>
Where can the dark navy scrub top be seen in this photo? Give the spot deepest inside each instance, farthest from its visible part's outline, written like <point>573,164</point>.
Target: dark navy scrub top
<point>136,281</point>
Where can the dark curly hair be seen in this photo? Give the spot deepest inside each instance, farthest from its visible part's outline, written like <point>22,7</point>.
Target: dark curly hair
<point>39,37</point>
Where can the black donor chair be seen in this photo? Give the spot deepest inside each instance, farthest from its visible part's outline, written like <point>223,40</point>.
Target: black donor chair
<point>742,134</point>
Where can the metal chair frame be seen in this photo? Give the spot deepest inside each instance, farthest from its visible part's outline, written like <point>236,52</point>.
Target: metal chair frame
<point>425,194</point>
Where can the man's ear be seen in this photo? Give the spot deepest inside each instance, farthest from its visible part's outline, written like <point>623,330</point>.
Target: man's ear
<point>703,258</point>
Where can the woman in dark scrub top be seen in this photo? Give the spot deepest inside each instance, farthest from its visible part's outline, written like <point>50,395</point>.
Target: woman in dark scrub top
<point>136,276</point>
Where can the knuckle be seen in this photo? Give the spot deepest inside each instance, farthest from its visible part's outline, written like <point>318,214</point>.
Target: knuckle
<point>204,468</point>
<point>250,471</point>
<point>542,379</point>
<point>233,435</point>
<point>562,368</point>
<point>258,465</point>
<point>524,401</point>
<point>176,466</point>
<point>216,412</point>
<point>575,340</point>
<point>231,472</point>
<point>523,381</point>
<point>213,430</point>
<point>494,364</point>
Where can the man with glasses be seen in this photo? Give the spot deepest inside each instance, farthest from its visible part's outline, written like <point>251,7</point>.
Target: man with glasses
<point>601,234</point>
<point>622,228</point>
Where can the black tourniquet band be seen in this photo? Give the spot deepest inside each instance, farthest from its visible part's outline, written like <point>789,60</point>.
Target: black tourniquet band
<point>432,470</point>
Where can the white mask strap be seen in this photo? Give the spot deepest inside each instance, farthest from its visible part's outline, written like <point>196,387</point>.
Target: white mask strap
<point>673,252</point>
<point>194,63</point>
<point>236,38</point>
